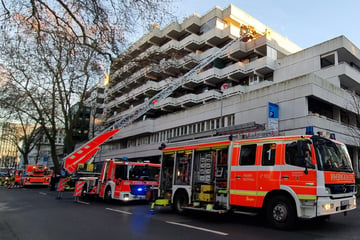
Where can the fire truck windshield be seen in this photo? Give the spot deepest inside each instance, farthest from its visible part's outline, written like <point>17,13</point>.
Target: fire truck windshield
<point>143,173</point>
<point>332,156</point>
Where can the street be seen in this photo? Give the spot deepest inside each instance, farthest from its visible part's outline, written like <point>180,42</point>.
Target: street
<point>36,214</point>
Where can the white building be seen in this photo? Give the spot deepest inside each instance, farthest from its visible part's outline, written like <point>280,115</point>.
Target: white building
<point>311,87</point>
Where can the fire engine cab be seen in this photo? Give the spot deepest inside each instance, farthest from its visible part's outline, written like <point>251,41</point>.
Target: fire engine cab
<point>121,180</point>
<point>285,177</point>
<point>33,175</point>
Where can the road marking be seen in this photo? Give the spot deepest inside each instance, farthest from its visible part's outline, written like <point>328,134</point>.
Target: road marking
<point>119,211</point>
<point>43,193</point>
<point>82,202</point>
<point>198,228</point>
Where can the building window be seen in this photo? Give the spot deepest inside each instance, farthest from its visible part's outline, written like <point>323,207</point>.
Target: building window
<point>169,134</point>
<point>319,107</point>
<point>344,117</point>
<point>202,126</point>
<point>217,122</point>
<point>212,124</point>
<point>327,60</point>
<point>232,119</point>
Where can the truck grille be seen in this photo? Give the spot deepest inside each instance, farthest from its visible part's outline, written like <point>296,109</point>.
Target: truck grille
<point>341,188</point>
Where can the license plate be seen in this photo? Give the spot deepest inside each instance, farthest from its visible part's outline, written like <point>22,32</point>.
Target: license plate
<point>344,203</point>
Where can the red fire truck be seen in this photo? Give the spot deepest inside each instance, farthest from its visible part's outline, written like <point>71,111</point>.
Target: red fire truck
<point>121,180</point>
<point>285,177</point>
<point>33,175</point>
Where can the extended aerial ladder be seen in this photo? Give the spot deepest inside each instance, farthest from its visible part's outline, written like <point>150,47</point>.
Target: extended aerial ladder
<point>89,149</point>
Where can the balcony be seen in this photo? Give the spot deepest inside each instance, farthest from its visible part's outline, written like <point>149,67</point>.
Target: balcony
<point>216,37</point>
<point>126,82</point>
<point>263,65</point>
<point>150,88</point>
<point>349,76</point>
<point>239,50</point>
<point>195,42</point>
<point>174,31</point>
<point>188,100</point>
<point>157,37</point>
<point>171,104</point>
<point>192,24</point>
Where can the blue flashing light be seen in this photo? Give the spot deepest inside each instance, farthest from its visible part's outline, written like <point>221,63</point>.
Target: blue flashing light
<point>125,158</point>
<point>332,136</point>
<point>309,130</point>
<point>139,189</point>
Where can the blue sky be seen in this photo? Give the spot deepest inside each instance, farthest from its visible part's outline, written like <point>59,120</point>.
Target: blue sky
<point>306,22</point>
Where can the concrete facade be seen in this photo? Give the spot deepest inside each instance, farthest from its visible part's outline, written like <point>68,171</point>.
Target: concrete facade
<point>318,86</point>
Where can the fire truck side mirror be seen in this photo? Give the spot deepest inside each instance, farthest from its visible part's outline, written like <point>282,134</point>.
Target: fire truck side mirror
<point>64,173</point>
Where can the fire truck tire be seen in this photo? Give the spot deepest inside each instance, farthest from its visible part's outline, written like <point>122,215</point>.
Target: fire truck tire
<point>180,200</point>
<point>107,195</point>
<point>280,212</point>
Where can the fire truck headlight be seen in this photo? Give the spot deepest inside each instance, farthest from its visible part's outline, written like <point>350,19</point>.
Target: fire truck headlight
<point>308,202</point>
<point>126,197</point>
<point>354,202</point>
<point>328,206</point>
<point>328,190</point>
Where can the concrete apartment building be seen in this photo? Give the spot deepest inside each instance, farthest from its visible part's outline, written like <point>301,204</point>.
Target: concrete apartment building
<point>308,87</point>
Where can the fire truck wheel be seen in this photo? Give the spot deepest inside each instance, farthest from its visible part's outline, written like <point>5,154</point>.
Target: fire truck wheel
<point>107,195</point>
<point>180,200</point>
<point>281,213</point>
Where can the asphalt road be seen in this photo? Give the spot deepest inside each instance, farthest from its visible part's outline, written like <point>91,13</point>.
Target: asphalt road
<point>36,214</point>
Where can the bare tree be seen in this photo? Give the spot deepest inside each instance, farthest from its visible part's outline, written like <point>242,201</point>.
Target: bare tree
<point>53,51</point>
<point>22,135</point>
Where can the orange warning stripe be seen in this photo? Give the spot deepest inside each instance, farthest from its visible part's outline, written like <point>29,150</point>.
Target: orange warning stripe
<point>78,188</point>
<point>94,190</point>
<point>61,186</point>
